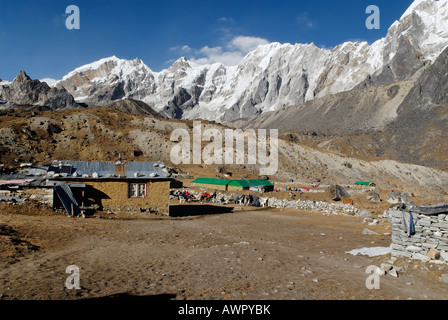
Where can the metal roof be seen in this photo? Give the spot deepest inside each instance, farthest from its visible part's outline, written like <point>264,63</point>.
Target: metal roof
<point>34,176</point>
<point>240,183</point>
<point>232,182</point>
<point>67,169</point>
<point>221,182</point>
<point>260,182</point>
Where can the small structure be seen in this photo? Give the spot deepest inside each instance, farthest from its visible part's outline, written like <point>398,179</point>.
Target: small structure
<point>261,185</point>
<point>420,232</point>
<point>365,184</point>
<point>234,185</point>
<point>238,185</point>
<point>82,185</point>
<point>28,182</point>
<point>212,183</point>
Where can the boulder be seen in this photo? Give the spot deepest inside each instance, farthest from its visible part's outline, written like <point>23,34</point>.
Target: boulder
<point>433,254</point>
<point>421,257</point>
<point>394,197</point>
<point>399,197</point>
<point>374,197</point>
<point>444,278</point>
<point>337,193</point>
<point>444,255</point>
<point>368,231</point>
<point>393,272</point>
<point>53,128</point>
<point>365,214</point>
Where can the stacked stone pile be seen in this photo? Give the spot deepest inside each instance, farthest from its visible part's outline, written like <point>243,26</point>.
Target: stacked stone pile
<point>321,206</point>
<point>428,243</point>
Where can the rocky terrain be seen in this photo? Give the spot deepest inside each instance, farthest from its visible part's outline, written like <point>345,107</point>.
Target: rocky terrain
<point>405,120</point>
<point>359,112</point>
<point>104,133</point>
<point>226,254</point>
<point>24,91</point>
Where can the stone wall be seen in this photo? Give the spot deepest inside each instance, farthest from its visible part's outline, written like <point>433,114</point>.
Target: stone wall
<point>43,195</point>
<point>308,205</point>
<point>430,241</point>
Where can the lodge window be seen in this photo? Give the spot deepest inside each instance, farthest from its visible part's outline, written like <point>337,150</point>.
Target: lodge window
<point>137,190</point>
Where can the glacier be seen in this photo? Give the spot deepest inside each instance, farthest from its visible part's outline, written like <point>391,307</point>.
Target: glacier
<point>269,78</point>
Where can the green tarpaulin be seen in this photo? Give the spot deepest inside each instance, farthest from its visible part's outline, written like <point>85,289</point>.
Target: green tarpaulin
<point>235,183</point>
<point>220,182</point>
<point>361,183</point>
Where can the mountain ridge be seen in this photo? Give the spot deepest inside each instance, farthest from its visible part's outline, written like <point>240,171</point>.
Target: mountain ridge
<point>269,78</point>
<point>403,120</point>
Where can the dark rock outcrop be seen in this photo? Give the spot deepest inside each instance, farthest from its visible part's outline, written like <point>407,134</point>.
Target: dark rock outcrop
<point>403,66</point>
<point>24,91</point>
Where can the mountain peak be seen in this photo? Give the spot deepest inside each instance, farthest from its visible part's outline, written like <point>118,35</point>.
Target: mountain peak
<point>432,12</point>
<point>21,77</point>
<point>423,6</point>
<point>272,76</point>
<point>425,22</point>
<point>181,63</point>
<point>92,66</point>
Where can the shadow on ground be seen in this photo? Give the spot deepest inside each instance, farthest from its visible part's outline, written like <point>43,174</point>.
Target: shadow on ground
<point>127,296</point>
<point>197,210</point>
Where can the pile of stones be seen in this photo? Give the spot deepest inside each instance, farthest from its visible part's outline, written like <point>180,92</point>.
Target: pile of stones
<point>428,243</point>
<point>321,206</point>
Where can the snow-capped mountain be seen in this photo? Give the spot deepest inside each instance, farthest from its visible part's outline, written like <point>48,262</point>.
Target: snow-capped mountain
<point>271,77</point>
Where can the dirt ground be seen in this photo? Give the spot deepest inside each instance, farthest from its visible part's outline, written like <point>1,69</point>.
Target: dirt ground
<point>205,253</point>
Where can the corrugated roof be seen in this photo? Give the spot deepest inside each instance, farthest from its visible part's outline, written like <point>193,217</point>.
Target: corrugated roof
<point>220,182</point>
<point>240,183</point>
<point>108,170</point>
<point>34,176</point>
<point>232,182</point>
<point>259,182</point>
<point>16,181</point>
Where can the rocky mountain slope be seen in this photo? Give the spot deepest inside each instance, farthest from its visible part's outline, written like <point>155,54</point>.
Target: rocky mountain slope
<point>357,112</point>
<point>24,91</point>
<point>405,120</point>
<point>103,133</point>
<point>271,77</point>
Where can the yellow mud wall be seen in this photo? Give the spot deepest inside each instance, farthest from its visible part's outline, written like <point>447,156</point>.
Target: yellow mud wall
<point>210,186</point>
<point>115,194</point>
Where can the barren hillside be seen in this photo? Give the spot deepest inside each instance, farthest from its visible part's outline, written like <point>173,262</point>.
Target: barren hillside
<point>404,121</point>
<point>104,133</point>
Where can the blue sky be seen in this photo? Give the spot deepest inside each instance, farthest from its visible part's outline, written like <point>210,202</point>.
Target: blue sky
<point>34,38</point>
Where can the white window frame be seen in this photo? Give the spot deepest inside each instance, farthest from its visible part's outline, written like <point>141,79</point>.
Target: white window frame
<point>139,193</point>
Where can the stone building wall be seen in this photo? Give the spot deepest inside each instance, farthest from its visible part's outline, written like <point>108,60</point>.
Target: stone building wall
<point>43,195</point>
<point>430,241</point>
